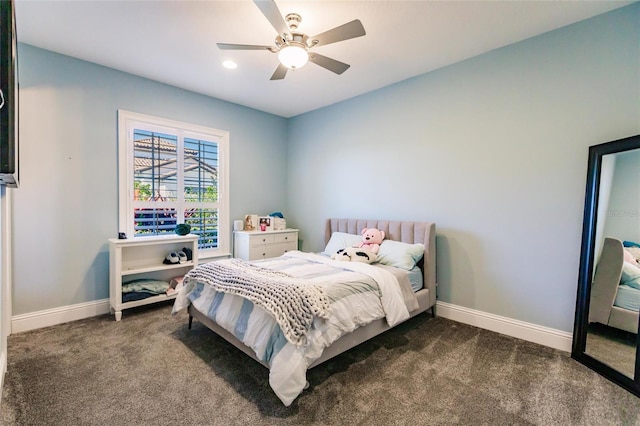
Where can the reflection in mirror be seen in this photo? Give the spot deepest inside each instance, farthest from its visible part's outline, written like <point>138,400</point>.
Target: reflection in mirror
<point>606,337</point>
<point>615,290</point>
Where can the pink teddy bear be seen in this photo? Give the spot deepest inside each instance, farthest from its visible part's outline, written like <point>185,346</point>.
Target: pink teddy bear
<point>371,239</point>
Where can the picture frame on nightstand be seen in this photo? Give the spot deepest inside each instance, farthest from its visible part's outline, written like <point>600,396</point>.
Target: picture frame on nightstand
<point>251,222</point>
<point>265,223</point>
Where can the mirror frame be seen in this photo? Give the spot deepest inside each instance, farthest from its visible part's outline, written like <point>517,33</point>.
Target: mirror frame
<point>585,273</point>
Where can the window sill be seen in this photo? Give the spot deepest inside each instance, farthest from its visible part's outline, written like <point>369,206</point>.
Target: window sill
<point>211,257</point>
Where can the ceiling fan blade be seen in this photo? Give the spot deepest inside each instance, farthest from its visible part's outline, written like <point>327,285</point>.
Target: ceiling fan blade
<point>346,31</point>
<point>328,63</point>
<point>280,72</point>
<point>270,11</point>
<point>230,46</point>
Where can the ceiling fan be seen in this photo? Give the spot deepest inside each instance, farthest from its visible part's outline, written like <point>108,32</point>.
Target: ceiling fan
<point>293,47</point>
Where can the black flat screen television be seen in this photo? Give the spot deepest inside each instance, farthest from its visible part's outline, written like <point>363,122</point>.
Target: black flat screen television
<point>8,95</point>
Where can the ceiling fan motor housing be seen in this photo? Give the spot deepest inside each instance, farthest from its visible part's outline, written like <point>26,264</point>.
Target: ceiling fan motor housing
<point>293,39</point>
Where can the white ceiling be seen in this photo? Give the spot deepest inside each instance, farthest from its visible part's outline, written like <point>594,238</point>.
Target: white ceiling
<point>174,42</point>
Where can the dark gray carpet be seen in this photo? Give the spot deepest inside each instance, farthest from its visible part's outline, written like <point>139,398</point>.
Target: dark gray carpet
<point>149,369</point>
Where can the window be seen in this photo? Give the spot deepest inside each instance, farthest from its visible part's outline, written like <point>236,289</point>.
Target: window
<point>171,173</point>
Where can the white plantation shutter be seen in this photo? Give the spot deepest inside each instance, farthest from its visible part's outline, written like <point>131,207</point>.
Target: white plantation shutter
<point>172,173</point>
<point>155,182</point>
<point>201,190</point>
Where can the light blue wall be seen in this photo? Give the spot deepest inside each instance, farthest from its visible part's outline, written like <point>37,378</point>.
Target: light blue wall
<point>5,308</point>
<point>492,149</point>
<point>607,172</point>
<point>66,206</point>
<point>622,217</point>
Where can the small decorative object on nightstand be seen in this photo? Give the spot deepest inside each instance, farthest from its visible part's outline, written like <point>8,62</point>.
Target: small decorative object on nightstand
<point>254,245</point>
<point>251,222</point>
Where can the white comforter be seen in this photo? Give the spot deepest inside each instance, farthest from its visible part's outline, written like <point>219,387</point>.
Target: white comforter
<point>359,293</point>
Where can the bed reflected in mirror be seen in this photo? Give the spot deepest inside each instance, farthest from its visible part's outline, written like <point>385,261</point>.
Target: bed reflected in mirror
<point>615,290</point>
<point>608,303</point>
<point>613,307</point>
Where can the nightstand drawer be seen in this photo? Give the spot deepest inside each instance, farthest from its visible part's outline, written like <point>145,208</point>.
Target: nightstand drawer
<point>258,240</point>
<point>276,250</point>
<point>286,238</point>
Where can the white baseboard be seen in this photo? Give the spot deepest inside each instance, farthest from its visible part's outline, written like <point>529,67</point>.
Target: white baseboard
<point>49,317</point>
<point>522,330</point>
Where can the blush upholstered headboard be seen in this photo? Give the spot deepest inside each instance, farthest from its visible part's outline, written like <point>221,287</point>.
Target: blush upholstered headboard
<point>404,231</point>
<point>605,286</point>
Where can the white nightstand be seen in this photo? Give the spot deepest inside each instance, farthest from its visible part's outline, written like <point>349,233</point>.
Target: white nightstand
<point>254,245</point>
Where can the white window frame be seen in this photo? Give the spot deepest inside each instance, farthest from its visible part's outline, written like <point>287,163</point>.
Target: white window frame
<point>127,122</point>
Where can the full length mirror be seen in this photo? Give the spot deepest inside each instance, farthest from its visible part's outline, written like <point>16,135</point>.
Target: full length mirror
<point>607,310</point>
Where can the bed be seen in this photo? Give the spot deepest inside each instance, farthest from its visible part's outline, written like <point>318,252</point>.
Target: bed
<point>351,320</point>
<point>615,292</point>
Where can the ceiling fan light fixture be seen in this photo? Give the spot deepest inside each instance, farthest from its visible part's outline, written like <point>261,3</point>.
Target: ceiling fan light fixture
<point>293,56</point>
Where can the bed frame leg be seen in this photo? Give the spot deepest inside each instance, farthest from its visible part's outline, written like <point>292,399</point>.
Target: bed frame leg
<point>190,321</point>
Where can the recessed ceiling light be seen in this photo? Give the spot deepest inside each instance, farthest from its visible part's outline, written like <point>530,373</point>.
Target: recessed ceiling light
<point>230,65</point>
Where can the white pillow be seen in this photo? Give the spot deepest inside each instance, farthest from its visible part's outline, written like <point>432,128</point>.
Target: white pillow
<point>401,255</point>
<point>340,240</point>
<point>630,275</point>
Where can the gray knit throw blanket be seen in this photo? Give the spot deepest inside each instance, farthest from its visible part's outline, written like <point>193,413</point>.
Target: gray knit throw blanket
<point>292,302</point>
